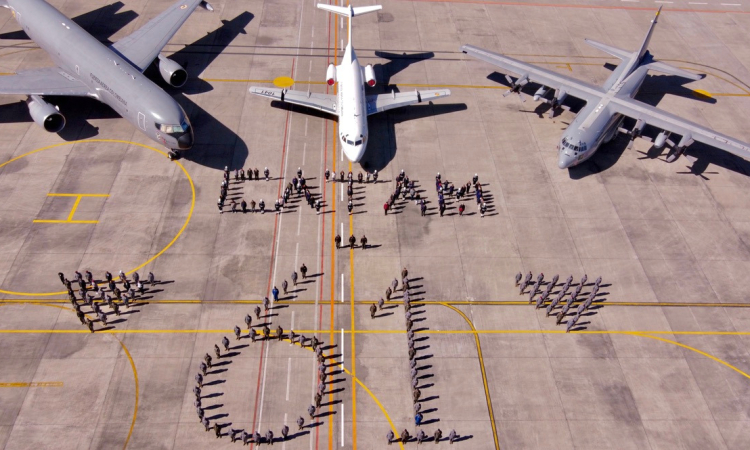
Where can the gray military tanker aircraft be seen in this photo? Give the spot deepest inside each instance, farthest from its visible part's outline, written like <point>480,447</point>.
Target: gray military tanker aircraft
<point>113,75</point>
<point>599,121</point>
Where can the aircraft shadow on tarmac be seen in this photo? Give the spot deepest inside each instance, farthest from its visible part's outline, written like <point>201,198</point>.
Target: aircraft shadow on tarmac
<point>101,23</point>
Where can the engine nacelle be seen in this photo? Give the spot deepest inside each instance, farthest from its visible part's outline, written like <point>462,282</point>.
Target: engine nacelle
<point>541,92</point>
<point>370,75</point>
<point>331,75</point>
<point>561,96</point>
<point>661,139</point>
<point>45,115</point>
<point>172,72</point>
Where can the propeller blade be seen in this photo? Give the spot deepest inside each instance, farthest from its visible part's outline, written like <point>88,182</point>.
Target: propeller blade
<point>692,159</point>
<point>510,80</point>
<point>630,144</point>
<point>623,130</point>
<point>647,138</point>
<point>669,142</point>
<point>521,96</point>
<point>507,93</point>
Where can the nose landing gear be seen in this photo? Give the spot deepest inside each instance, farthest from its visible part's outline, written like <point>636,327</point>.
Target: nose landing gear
<point>174,155</point>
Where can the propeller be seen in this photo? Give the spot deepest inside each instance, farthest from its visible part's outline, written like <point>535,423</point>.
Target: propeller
<point>555,103</point>
<point>515,86</point>
<point>636,132</point>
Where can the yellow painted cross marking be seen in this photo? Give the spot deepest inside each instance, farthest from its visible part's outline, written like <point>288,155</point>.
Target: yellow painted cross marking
<point>73,210</point>
<point>34,384</point>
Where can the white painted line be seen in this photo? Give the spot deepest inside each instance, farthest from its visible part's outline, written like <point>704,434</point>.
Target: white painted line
<point>659,1</point>
<point>342,424</point>
<point>342,229</point>
<point>697,3</point>
<point>342,288</point>
<point>288,379</point>
<point>309,68</point>
<point>296,256</point>
<point>634,1</point>
<point>730,4</point>
<point>304,147</point>
<point>263,389</point>
<point>342,197</point>
<point>299,226</point>
<point>342,348</point>
<point>305,131</point>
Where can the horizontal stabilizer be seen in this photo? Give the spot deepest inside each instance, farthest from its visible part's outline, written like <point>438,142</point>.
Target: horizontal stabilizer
<point>349,11</point>
<point>672,70</point>
<point>614,51</point>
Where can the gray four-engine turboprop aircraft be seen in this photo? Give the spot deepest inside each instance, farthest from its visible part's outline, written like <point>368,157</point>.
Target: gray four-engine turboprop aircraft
<point>351,104</point>
<point>607,106</point>
<point>113,75</point>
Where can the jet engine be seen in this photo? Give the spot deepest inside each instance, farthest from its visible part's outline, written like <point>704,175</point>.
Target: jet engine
<point>331,74</point>
<point>45,115</point>
<point>370,75</point>
<point>172,72</point>
<point>541,92</point>
<point>661,139</point>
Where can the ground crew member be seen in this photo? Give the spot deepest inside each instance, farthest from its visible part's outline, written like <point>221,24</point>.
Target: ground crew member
<point>207,359</point>
<point>352,241</point>
<point>284,431</point>
<point>269,437</point>
<point>416,394</point>
<point>257,312</point>
<point>204,368</point>
<point>452,436</point>
<point>103,319</point>
<point>571,323</point>
<point>381,302</point>
<point>266,303</point>
<point>560,317</point>
<point>300,422</point>
<point>245,438</point>
<point>421,436</point>
<point>338,241</point>
<point>409,324</point>
<point>438,435</point>
<point>217,430</point>
<point>253,334</point>
<point>232,432</point>
<point>303,271</point>
<point>206,424</point>
<point>266,331</point>
<point>373,309</point>
<point>405,436</point>
<point>217,351</point>
<point>199,380</point>
<point>294,278</point>
<point>311,411</point>
<point>390,436</point>
<point>243,205</point>
<point>275,293</point>
<point>385,208</point>
<point>81,317</point>
<point>279,332</point>
<point>90,324</point>
<point>388,293</point>
<point>363,241</point>
<point>519,275</point>
<point>256,437</point>
<point>225,341</point>
<point>248,320</point>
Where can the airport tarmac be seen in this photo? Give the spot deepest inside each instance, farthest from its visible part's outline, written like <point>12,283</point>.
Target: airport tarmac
<point>661,361</point>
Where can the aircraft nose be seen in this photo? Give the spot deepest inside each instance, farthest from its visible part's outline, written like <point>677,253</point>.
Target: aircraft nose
<point>185,141</point>
<point>354,153</point>
<point>563,161</point>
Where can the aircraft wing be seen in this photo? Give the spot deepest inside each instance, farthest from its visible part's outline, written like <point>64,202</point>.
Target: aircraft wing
<point>47,81</point>
<point>384,102</point>
<point>143,46</point>
<point>322,102</point>
<point>549,78</point>
<point>669,122</point>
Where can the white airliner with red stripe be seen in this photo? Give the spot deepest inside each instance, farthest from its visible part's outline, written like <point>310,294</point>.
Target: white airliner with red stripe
<point>351,104</point>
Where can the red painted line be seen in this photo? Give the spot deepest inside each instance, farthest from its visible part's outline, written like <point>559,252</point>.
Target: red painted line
<point>273,260</point>
<point>555,5</point>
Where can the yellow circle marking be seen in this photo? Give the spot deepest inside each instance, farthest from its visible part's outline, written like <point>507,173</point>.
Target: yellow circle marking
<point>283,82</point>
<point>117,141</point>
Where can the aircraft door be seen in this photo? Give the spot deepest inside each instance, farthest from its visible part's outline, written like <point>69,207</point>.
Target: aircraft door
<point>142,121</point>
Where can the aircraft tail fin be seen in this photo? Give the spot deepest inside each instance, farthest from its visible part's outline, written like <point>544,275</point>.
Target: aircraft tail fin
<point>644,46</point>
<point>614,51</point>
<point>672,70</point>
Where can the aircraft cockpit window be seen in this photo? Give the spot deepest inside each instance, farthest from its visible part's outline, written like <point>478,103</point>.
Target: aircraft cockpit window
<point>173,129</point>
<point>359,142</point>
<point>575,148</point>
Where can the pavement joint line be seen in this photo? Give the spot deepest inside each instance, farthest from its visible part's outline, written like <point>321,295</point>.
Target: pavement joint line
<point>117,141</point>
<point>225,331</point>
<point>579,6</point>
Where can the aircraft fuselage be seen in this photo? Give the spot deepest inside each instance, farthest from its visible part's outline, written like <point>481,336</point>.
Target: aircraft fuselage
<point>110,78</point>
<point>352,106</point>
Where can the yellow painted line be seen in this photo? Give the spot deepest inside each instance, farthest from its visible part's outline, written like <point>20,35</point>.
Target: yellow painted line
<point>65,221</point>
<point>352,329</point>
<point>135,376</point>
<point>421,302</point>
<point>484,374</point>
<point>116,141</point>
<point>720,361</point>
<point>32,384</point>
